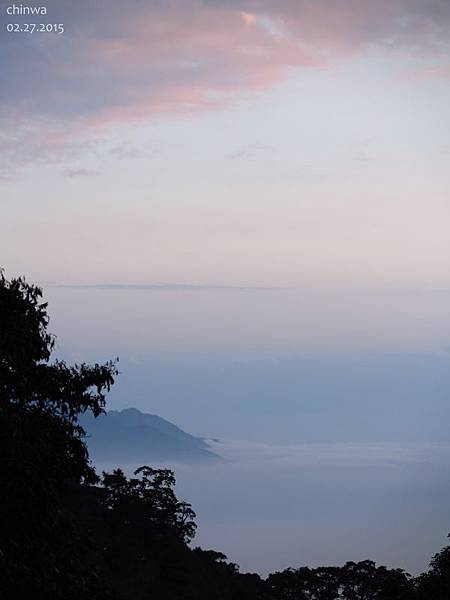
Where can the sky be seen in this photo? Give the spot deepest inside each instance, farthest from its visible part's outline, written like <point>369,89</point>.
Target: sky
<point>247,202</point>
<point>292,144</point>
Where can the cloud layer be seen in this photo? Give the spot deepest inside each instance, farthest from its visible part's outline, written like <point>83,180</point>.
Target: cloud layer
<point>123,61</point>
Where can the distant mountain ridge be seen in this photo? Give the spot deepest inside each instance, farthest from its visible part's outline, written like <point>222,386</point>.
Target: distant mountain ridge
<point>130,435</point>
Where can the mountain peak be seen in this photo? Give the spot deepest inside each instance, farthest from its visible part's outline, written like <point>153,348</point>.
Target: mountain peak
<point>129,435</point>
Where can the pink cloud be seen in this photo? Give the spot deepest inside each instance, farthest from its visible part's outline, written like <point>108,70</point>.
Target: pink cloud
<point>129,61</point>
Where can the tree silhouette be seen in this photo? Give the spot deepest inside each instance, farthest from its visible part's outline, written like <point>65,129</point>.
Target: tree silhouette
<point>149,500</point>
<point>435,584</point>
<point>42,452</point>
<point>354,581</point>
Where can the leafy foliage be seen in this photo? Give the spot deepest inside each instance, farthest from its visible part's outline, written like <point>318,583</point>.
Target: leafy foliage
<point>353,581</point>
<point>43,456</point>
<point>435,584</point>
<point>149,501</point>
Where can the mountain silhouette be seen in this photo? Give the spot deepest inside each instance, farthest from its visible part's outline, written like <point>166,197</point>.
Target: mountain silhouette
<point>130,435</point>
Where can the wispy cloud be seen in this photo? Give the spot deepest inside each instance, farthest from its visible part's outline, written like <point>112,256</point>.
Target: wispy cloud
<point>252,152</point>
<point>75,173</point>
<point>160,286</point>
